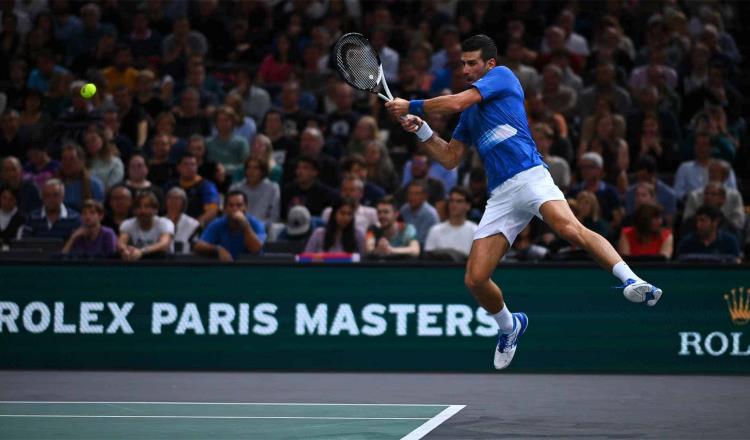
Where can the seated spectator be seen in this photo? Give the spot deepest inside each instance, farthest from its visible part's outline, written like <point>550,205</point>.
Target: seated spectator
<point>181,43</point>
<point>91,238</point>
<point>589,214</point>
<point>456,233</point>
<point>527,75</point>
<point>648,141</point>
<point>277,67</point>
<point>137,178</point>
<point>133,119</point>
<point>645,172</point>
<point>435,170</point>
<point>544,136</point>
<point>102,157</point>
<point>79,183</point>
<point>393,238</point>
<point>264,196</point>
<point>189,119</point>
<point>538,112</point>
<point>11,218</point>
<point>694,174</point>
<point>186,228</point>
<point>356,166</point>
<point>311,145</point>
<point>420,166</point>
<point>340,233</point>
<point>365,131</point>
<point>234,233</point>
<point>245,126</point>
<point>208,169</point>
<point>160,169</point>
<point>54,219</point>
<point>604,106</point>
<point>715,194</point>
<point>203,197</point>
<point>165,124</point>
<point>262,148</point>
<point>644,194</point>
<point>418,211</point>
<point>146,234</point>
<point>121,72</point>
<point>299,226</point>
<point>708,240</point>
<point>11,175</point>
<point>380,170</point>
<point>119,207</point>
<point>145,96</point>
<point>613,150</point>
<point>226,147</point>
<point>556,95</point>
<point>307,190</point>
<point>647,236</point>
<point>605,87</point>
<point>591,167</point>
<point>352,187</point>
<point>40,167</point>
<point>256,100</point>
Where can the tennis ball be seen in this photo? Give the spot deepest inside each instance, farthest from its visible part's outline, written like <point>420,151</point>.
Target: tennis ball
<point>88,90</point>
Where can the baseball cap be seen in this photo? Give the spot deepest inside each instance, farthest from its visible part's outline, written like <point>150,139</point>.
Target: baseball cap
<point>298,220</point>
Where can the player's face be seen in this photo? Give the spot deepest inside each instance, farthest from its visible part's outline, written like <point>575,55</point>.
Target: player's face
<point>474,67</point>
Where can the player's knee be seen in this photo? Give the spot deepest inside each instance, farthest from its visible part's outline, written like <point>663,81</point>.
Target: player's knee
<point>474,280</point>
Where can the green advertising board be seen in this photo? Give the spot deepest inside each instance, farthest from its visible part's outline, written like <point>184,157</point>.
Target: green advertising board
<point>282,317</point>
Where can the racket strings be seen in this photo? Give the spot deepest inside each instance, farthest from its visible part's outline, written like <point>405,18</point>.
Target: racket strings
<point>358,62</point>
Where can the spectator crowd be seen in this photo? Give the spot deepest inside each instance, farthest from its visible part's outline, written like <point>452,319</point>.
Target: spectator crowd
<point>222,128</point>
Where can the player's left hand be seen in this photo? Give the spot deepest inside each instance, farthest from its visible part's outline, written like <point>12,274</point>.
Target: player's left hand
<point>411,123</point>
<point>398,107</point>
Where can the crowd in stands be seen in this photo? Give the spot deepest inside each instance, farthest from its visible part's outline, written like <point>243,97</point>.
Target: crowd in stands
<point>222,128</point>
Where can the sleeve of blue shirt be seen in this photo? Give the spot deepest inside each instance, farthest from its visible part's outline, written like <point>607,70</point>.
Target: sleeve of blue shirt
<point>495,84</point>
<point>210,194</point>
<point>258,228</point>
<point>461,132</point>
<point>211,233</point>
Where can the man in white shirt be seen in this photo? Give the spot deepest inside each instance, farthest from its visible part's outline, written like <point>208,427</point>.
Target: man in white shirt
<point>146,233</point>
<point>456,233</point>
<point>364,216</point>
<point>694,174</point>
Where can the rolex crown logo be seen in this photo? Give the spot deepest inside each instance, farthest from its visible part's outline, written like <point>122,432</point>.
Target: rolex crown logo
<point>738,302</point>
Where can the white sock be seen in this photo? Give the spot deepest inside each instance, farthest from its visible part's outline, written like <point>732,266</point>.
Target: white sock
<point>504,320</point>
<point>623,272</point>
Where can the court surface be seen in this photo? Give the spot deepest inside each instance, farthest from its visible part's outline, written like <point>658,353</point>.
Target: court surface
<point>371,406</point>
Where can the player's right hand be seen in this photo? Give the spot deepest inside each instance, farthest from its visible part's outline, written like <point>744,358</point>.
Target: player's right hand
<point>410,123</point>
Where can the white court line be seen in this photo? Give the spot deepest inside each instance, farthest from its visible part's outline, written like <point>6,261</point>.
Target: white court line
<point>220,403</point>
<point>62,416</point>
<point>433,423</point>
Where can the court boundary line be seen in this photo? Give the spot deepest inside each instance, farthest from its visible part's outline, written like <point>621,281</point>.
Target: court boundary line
<point>102,416</point>
<point>433,422</point>
<point>219,403</point>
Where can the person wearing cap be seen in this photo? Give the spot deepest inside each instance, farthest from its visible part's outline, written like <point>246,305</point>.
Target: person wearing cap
<point>591,166</point>
<point>298,226</point>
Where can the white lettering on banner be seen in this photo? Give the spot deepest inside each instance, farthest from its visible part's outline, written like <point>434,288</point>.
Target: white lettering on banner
<point>120,318</point>
<point>715,344</point>
<point>28,317</point>
<point>89,316</point>
<point>344,321</point>
<point>190,320</point>
<point>402,312</point>
<point>162,314</point>
<point>60,325</point>
<point>220,315</point>
<point>306,324</point>
<point>457,317</point>
<point>426,316</point>
<point>8,314</point>
<point>488,325</point>
<point>372,314</point>
<point>264,314</point>
<point>244,322</point>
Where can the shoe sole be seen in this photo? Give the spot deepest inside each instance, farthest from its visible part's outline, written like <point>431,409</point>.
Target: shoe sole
<point>639,294</point>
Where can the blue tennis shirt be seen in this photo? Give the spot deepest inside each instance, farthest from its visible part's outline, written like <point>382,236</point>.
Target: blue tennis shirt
<point>498,128</point>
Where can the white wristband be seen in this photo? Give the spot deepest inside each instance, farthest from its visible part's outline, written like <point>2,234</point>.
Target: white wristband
<point>424,132</point>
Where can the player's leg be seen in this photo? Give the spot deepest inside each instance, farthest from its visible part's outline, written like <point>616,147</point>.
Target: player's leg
<point>483,259</point>
<point>558,215</point>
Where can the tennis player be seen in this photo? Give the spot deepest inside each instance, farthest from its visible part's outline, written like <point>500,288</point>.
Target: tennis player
<point>493,119</point>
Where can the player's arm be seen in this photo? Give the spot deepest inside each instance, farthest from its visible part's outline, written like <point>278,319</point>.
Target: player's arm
<point>441,105</point>
<point>448,154</point>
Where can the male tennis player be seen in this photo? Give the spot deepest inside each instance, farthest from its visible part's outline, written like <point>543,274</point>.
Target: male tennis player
<point>494,121</point>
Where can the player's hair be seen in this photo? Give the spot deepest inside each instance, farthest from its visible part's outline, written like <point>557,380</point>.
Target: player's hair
<point>481,42</point>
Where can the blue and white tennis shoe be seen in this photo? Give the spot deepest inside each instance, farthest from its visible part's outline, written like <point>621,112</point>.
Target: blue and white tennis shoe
<point>508,342</point>
<point>641,291</point>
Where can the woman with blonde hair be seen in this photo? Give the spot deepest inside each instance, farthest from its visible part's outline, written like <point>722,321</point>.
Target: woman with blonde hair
<point>262,149</point>
<point>365,132</point>
<point>588,212</point>
<point>380,170</point>
<point>103,158</point>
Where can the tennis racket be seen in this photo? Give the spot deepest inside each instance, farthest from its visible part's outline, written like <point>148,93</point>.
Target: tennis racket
<point>359,65</point>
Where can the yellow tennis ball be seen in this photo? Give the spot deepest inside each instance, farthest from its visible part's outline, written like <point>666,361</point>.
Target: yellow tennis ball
<point>88,90</point>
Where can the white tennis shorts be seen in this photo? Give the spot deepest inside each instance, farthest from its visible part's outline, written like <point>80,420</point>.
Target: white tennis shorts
<point>516,201</point>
